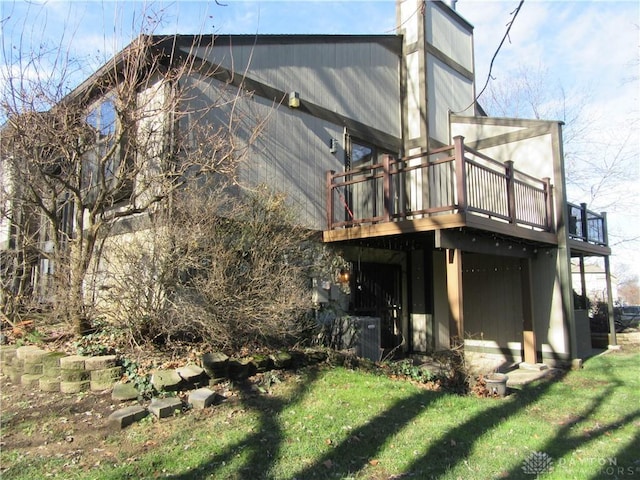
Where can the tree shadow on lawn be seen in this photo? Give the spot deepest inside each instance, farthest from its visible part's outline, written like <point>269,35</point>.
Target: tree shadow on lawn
<point>263,445</point>
<point>449,451</point>
<point>262,448</point>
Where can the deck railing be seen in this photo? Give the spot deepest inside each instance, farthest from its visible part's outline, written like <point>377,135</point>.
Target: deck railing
<point>451,179</point>
<point>586,225</point>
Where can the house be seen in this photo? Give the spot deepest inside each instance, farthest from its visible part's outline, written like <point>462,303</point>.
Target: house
<point>456,225</point>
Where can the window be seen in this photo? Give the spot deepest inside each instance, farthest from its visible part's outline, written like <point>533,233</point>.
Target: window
<point>103,163</point>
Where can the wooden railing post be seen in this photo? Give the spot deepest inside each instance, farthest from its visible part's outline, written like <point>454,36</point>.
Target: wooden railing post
<point>605,230</point>
<point>329,205</point>
<point>461,173</point>
<point>386,188</point>
<point>548,204</point>
<point>511,195</point>
<point>584,221</point>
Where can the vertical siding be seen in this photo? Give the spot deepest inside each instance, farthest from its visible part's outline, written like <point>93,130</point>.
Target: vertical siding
<point>448,36</point>
<point>447,91</point>
<point>357,79</point>
<point>492,298</point>
<point>291,156</point>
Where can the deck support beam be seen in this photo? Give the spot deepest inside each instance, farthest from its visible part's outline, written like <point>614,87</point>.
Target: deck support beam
<point>455,297</point>
<point>528,331</point>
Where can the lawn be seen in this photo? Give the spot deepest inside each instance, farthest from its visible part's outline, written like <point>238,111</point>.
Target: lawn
<point>338,423</point>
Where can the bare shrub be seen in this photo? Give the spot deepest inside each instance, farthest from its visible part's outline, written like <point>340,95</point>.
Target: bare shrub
<point>226,266</point>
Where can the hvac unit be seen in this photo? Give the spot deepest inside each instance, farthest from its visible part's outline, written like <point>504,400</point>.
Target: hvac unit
<point>358,334</point>
<point>368,341</point>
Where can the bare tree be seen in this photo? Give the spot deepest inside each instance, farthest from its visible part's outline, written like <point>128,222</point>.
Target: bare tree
<point>601,161</point>
<point>117,147</point>
<point>230,268</point>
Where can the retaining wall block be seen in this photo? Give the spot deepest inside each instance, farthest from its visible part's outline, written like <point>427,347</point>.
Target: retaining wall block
<point>100,362</point>
<point>74,375</point>
<point>33,368</point>
<point>30,352</point>
<point>52,359</point>
<point>165,407</point>
<point>202,398</point>
<point>124,391</point>
<point>72,362</point>
<point>30,380</point>
<point>75,387</point>
<point>216,365</point>
<point>105,378</point>
<point>7,352</point>
<point>48,384</point>
<point>190,373</point>
<point>126,416</point>
<point>166,380</point>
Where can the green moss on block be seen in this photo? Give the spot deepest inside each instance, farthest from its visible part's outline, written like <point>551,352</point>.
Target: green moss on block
<point>74,375</point>
<point>52,359</point>
<point>33,368</point>
<point>30,380</point>
<point>48,384</point>
<point>75,387</point>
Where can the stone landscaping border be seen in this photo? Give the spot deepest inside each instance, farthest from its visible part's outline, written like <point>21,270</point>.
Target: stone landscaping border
<point>48,371</point>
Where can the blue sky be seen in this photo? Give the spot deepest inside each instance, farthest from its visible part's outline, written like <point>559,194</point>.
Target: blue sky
<point>585,53</point>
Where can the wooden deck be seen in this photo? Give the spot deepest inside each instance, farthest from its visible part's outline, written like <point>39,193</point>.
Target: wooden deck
<point>449,188</point>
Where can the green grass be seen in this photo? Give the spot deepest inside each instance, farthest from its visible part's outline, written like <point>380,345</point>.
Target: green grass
<point>337,423</point>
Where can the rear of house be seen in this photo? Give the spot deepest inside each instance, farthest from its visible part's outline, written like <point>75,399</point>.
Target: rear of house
<point>455,225</point>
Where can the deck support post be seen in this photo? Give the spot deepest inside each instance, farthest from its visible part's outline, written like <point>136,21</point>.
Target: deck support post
<point>528,331</point>
<point>455,297</point>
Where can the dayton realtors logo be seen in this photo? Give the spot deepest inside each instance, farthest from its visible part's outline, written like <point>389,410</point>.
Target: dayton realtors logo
<point>537,463</point>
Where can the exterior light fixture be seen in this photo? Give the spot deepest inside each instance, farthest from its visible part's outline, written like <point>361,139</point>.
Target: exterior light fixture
<point>344,275</point>
<point>294,100</point>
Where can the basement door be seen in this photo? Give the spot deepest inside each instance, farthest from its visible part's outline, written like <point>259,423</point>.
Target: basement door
<point>376,292</point>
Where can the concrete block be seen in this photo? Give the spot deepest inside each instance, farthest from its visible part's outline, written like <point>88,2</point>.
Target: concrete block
<point>124,391</point>
<point>166,380</point>
<point>15,374</point>
<point>105,378</point>
<point>165,407</point>
<point>106,374</point>
<point>30,380</point>
<point>50,371</point>
<point>281,359</point>
<point>241,368</point>
<point>7,353</point>
<point>48,384</point>
<point>52,359</point>
<point>17,363</point>
<point>74,375</point>
<point>33,368</point>
<point>533,366</point>
<point>100,362</point>
<point>30,352</point>
<point>126,416</point>
<point>216,365</point>
<point>73,362</point>
<point>75,387</point>
<point>190,373</point>
<point>202,398</point>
